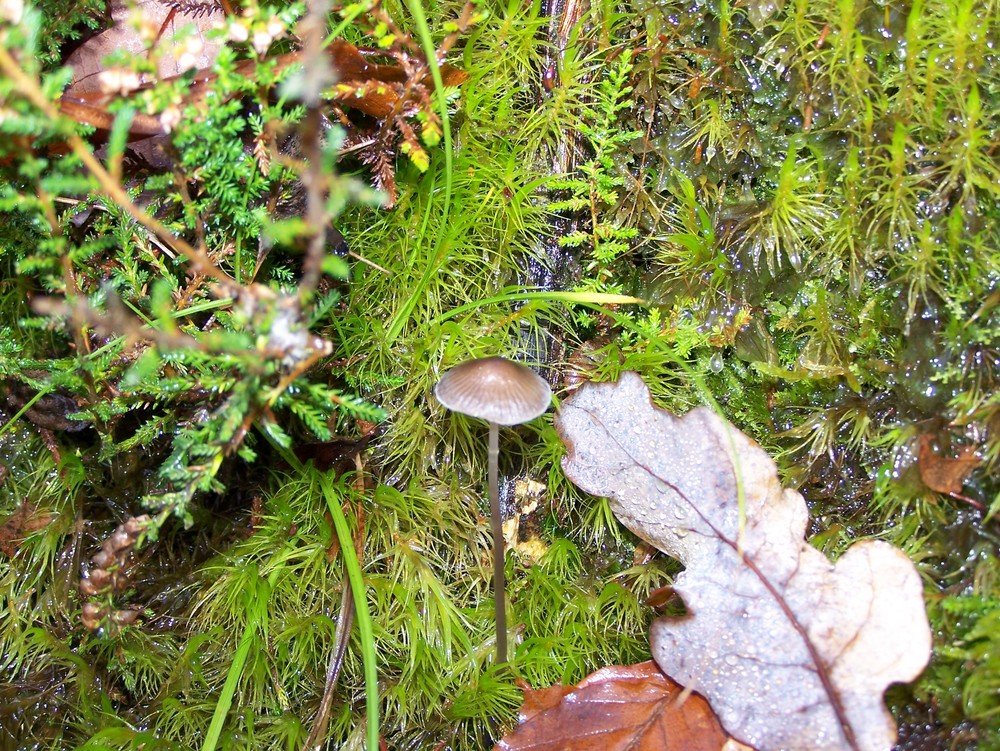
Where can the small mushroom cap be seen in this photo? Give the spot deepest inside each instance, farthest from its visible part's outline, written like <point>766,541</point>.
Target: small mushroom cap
<point>494,389</point>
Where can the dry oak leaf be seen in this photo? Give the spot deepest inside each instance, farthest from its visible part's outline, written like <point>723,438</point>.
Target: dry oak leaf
<point>634,707</point>
<point>792,651</point>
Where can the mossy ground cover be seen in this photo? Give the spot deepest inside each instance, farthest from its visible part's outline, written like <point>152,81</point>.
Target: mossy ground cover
<point>805,196</point>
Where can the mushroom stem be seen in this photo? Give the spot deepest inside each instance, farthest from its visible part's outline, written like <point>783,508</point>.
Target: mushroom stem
<point>496,521</point>
<point>502,393</point>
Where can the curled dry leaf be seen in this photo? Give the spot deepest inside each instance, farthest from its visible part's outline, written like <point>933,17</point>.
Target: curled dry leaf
<point>944,474</point>
<point>792,651</point>
<point>617,708</point>
<point>139,28</point>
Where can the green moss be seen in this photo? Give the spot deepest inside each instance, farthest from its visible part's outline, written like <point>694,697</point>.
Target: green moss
<point>807,198</point>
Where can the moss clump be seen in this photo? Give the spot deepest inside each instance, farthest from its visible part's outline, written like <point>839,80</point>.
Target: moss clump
<point>805,196</point>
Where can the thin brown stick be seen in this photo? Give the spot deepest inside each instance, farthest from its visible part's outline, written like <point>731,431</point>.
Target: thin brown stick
<point>316,72</point>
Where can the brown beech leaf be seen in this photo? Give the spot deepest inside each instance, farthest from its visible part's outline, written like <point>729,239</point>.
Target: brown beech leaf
<point>634,707</point>
<point>792,651</point>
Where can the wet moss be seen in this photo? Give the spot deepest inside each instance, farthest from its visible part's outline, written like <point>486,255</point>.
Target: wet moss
<point>806,197</point>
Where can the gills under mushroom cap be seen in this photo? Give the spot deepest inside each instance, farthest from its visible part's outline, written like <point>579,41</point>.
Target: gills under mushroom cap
<point>495,390</point>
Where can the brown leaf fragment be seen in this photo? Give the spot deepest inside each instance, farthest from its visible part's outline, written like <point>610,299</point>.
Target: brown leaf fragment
<point>634,707</point>
<point>944,474</point>
<point>47,411</point>
<point>792,651</point>
<point>538,700</point>
<point>165,25</point>
<point>17,527</point>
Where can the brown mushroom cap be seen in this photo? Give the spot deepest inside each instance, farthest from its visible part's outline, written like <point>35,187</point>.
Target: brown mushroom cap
<point>494,389</point>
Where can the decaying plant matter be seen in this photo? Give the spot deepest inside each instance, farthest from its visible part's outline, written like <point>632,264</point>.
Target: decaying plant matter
<point>376,102</point>
<point>631,708</point>
<point>108,578</point>
<point>792,652</point>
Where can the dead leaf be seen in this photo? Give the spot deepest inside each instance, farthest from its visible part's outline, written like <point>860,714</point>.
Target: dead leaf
<point>944,474</point>
<point>792,651</point>
<point>165,25</point>
<point>17,527</point>
<point>140,28</point>
<point>634,707</point>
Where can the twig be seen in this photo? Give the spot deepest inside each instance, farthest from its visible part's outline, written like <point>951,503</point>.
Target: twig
<point>316,74</point>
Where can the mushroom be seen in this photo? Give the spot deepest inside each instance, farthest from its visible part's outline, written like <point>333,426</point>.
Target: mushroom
<point>502,393</point>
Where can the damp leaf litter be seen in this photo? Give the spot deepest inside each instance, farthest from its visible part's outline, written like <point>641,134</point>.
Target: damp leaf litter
<point>631,707</point>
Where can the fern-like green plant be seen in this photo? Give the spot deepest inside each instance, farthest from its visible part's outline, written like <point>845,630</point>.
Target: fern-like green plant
<point>597,191</point>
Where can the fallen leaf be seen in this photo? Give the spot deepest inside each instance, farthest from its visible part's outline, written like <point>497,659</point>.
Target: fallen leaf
<point>792,651</point>
<point>392,93</point>
<point>634,707</point>
<point>165,19</point>
<point>17,527</point>
<point>944,474</point>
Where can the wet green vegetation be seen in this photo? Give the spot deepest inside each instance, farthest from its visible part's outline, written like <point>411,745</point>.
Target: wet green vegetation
<point>805,195</point>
